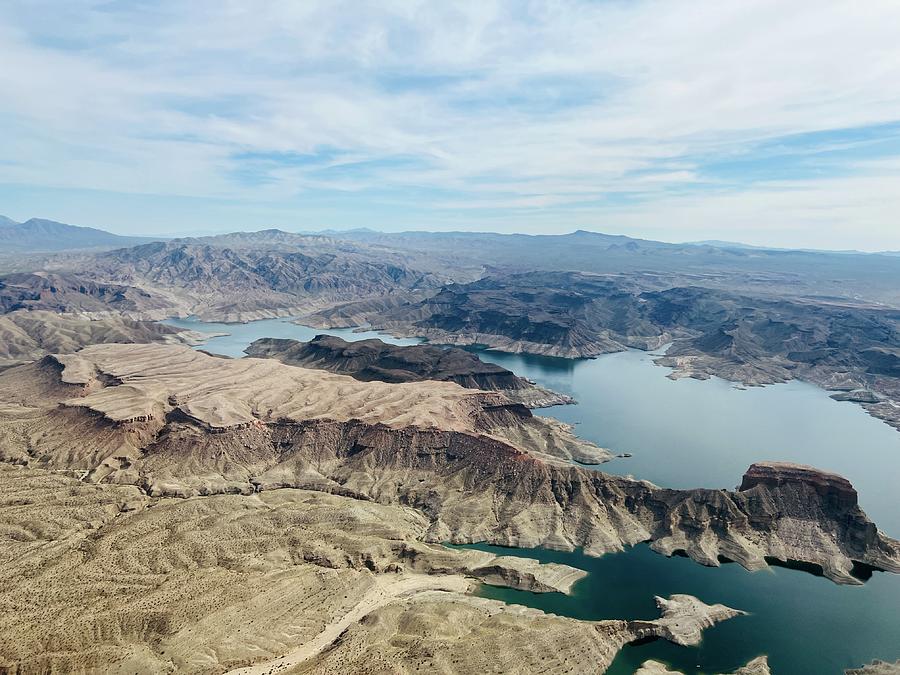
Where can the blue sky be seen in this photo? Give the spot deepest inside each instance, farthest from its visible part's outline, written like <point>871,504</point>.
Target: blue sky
<point>760,121</point>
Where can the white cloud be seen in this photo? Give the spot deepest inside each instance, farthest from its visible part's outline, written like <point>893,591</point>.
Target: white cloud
<point>501,104</point>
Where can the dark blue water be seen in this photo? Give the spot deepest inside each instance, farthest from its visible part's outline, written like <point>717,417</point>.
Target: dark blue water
<point>689,433</point>
<point>806,624</point>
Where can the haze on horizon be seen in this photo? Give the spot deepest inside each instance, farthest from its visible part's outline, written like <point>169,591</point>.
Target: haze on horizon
<point>760,122</point>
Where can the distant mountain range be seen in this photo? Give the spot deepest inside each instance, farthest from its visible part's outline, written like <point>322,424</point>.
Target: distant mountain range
<point>751,315</point>
<point>38,244</point>
<point>235,277</point>
<point>38,235</point>
<point>718,243</point>
<point>848,276</point>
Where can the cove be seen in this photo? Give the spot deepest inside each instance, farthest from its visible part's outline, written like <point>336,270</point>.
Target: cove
<point>691,433</point>
<point>805,623</point>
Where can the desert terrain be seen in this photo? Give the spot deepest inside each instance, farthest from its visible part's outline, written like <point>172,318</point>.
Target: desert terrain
<point>301,510</point>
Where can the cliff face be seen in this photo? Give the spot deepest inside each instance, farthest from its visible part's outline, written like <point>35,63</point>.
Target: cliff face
<point>297,519</point>
<point>103,578</point>
<point>375,360</point>
<point>833,490</point>
<point>134,414</point>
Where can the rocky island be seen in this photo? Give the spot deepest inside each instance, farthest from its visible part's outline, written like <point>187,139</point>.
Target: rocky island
<point>876,668</point>
<point>758,666</point>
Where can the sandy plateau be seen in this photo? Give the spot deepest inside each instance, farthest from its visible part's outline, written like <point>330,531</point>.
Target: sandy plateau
<point>165,510</point>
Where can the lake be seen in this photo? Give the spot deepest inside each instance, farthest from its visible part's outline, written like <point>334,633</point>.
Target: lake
<point>240,335</point>
<point>690,433</point>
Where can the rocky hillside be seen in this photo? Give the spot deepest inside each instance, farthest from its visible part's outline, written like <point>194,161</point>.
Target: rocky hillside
<point>177,422</point>
<point>242,277</point>
<point>847,276</point>
<point>165,509</point>
<point>373,359</point>
<point>754,340</point>
<point>103,578</point>
<point>30,335</point>
<point>73,294</point>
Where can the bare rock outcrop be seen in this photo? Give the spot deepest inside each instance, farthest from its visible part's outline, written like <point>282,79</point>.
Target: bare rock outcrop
<point>876,668</point>
<point>527,574</point>
<point>230,278</point>
<point>752,339</point>
<point>373,359</point>
<point>99,577</point>
<point>758,666</point>
<point>452,633</point>
<point>653,667</point>
<point>180,423</point>
<point>155,381</point>
<point>683,618</point>
<point>28,335</point>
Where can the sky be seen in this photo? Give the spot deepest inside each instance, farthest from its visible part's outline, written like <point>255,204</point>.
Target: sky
<point>767,122</point>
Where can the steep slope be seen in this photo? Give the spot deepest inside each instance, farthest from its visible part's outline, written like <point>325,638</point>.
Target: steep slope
<point>373,359</point>
<point>177,384</point>
<point>557,314</point>
<point>101,578</point>
<point>71,294</point>
<point>176,422</point>
<point>247,276</point>
<point>30,335</point>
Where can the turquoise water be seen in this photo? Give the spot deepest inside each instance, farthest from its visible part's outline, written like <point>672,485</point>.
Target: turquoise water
<point>689,433</point>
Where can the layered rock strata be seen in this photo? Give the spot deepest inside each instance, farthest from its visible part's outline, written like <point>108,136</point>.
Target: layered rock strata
<point>177,422</point>
<point>103,578</point>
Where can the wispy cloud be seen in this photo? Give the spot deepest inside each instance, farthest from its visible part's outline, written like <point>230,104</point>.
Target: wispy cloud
<point>669,119</point>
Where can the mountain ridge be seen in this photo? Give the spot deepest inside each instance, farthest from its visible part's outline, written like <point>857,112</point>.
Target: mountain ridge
<point>41,235</point>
